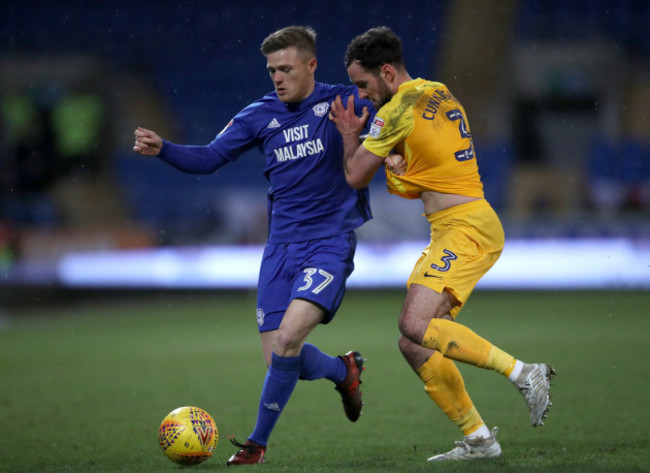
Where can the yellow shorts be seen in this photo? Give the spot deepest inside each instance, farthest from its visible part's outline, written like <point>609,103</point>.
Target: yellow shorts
<point>466,241</point>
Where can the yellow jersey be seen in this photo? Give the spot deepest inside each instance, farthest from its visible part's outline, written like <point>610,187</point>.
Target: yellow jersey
<point>427,125</point>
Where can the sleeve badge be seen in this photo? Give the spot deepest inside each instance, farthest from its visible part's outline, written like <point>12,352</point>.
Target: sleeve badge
<point>376,127</point>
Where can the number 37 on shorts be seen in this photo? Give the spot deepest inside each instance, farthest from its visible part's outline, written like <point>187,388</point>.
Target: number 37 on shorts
<point>315,280</point>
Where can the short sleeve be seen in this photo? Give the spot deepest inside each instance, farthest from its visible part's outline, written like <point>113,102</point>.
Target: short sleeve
<point>391,125</point>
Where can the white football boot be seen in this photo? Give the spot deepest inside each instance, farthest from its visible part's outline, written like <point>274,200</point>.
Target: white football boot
<point>534,383</point>
<point>472,449</point>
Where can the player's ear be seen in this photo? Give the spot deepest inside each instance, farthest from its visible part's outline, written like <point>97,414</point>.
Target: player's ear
<point>388,73</point>
<point>312,64</point>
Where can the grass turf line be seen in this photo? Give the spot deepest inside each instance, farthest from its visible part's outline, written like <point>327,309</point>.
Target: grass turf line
<point>84,387</point>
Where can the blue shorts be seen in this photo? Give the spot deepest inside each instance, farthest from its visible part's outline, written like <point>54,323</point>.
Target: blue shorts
<point>314,270</point>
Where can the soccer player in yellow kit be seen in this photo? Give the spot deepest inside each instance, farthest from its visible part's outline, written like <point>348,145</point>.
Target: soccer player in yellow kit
<point>425,124</point>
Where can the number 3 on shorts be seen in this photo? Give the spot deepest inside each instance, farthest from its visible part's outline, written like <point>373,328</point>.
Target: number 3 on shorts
<point>309,281</point>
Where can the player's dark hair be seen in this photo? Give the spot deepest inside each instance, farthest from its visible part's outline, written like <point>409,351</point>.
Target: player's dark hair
<point>374,48</point>
<point>303,38</point>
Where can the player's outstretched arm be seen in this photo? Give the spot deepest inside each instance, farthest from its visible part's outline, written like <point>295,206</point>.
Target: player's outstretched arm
<point>147,142</point>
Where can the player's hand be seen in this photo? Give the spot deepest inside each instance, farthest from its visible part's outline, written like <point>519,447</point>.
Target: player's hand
<point>396,164</point>
<point>345,119</point>
<point>147,142</point>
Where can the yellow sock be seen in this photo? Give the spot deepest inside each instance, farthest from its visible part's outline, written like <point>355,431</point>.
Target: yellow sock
<point>500,361</point>
<point>459,343</point>
<point>445,386</point>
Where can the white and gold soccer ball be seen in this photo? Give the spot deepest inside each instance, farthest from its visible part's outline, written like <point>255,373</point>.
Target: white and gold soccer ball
<point>188,435</point>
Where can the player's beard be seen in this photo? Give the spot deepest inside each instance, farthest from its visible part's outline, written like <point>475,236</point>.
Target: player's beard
<point>384,94</point>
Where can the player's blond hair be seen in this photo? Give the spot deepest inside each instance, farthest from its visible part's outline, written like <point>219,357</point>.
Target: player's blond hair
<point>303,38</point>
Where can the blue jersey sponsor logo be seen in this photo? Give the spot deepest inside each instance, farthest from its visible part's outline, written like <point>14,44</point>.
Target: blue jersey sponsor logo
<point>298,150</point>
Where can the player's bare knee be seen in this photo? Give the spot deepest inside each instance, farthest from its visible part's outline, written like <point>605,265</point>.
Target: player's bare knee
<point>408,348</point>
<point>286,344</point>
<point>404,344</point>
<point>403,325</point>
<point>414,354</point>
<point>411,328</point>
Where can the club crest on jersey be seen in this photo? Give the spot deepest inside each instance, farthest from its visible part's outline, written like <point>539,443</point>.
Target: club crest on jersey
<point>321,109</point>
<point>375,128</point>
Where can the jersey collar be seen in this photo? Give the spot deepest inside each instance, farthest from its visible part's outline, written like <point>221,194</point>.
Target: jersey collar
<point>308,102</point>
<point>410,83</point>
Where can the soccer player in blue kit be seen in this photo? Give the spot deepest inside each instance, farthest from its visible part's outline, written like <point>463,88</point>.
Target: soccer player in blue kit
<point>313,213</point>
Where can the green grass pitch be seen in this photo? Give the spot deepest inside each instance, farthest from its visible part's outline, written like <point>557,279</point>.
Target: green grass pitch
<point>84,387</point>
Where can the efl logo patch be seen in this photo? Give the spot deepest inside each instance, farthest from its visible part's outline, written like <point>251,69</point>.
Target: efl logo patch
<point>376,127</point>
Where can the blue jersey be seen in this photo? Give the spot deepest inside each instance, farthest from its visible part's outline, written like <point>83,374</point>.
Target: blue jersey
<point>308,197</point>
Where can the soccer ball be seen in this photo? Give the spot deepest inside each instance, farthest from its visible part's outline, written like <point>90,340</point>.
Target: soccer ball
<point>188,435</point>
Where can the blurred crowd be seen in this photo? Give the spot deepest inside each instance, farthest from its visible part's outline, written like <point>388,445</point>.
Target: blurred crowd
<point>577,151</point>
<point>50,138</point>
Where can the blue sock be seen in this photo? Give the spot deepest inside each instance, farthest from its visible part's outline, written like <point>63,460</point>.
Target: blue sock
<point>314,364</point>
<point>281,379</point>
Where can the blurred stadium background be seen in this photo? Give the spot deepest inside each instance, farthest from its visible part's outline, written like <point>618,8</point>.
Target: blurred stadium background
<point>557,93</point>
